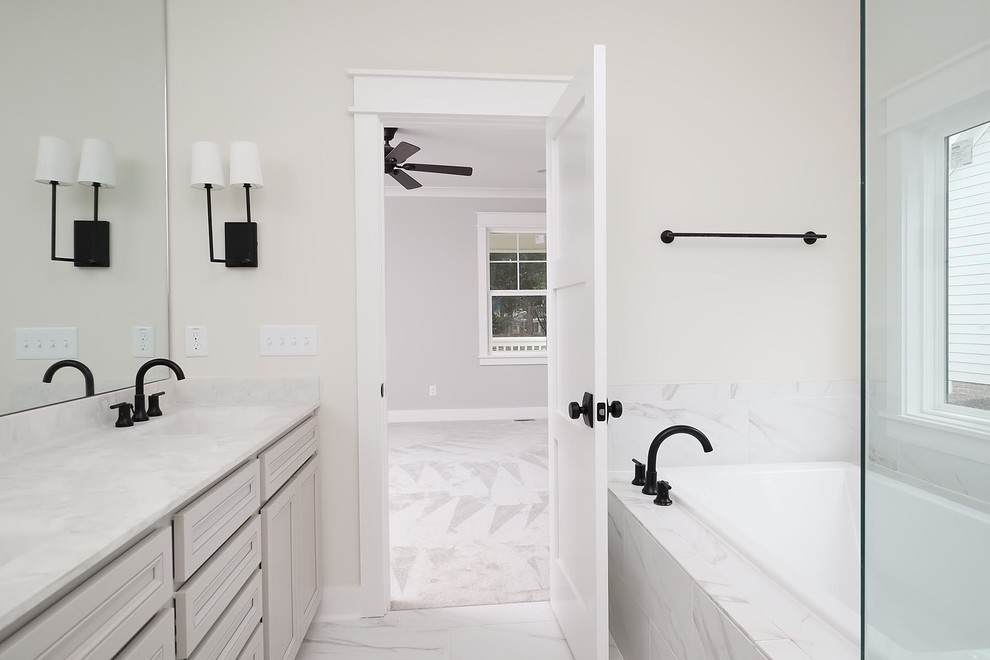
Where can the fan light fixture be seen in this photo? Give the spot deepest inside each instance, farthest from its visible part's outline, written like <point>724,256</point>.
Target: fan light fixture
<point>240,238</point>
<point>396,165</point>
<point>91,238</point>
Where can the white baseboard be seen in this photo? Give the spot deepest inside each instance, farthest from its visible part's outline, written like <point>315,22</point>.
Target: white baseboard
<point>344,603</point>
<point>466,414</point>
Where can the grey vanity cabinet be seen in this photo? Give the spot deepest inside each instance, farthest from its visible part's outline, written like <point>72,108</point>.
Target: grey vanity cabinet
<point>155,642</point>
<point>290,558</point>
<point>97,619</point>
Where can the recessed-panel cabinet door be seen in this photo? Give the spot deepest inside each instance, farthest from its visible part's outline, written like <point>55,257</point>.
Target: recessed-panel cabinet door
<point>305,547</point>
<point>279,614</point>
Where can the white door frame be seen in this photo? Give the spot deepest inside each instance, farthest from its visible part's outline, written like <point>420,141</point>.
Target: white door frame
<point>379,97</point>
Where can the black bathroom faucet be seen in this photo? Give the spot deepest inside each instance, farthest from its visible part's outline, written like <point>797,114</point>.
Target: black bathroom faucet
<point>140,413</point>
<point>87,374</point>
<point>651,462</point>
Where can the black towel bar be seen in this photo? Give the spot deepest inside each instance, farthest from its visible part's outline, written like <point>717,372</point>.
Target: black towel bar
<point>810,237</point>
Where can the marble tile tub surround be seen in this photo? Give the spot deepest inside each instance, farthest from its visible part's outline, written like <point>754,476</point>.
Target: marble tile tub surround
<point>758,422</point>
<point>677,592</point>
<point>66,509</point>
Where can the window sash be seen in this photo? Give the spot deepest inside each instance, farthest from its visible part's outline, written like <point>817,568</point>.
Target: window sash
<point>507,347</point>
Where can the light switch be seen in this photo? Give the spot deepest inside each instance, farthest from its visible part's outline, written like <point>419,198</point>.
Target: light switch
<point>45,343</point>
<point>274,340</point>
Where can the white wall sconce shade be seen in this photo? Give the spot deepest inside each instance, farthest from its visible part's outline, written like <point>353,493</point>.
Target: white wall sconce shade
<point>207,168</point>
<point>91,238</point>
<point>240,238</point>
<point>245,165</point>
<point>54,161</point>
<point>96,166</point>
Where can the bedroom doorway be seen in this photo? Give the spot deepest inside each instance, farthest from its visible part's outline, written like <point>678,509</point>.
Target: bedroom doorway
<point>465,309</point>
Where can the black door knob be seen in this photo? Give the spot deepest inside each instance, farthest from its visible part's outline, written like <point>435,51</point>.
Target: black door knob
<point>604,410</point>
<point>586,409</point>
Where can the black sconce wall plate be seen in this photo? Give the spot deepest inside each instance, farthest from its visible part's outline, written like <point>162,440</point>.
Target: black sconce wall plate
<point>91,244</point>
<point>240,244</point>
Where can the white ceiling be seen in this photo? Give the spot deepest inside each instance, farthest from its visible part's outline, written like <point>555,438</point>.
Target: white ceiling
<point>503,156</point>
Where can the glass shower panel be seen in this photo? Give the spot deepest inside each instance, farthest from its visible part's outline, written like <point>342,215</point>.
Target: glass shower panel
<point>926,350</point>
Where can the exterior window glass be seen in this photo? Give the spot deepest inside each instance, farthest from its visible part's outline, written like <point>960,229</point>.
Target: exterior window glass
<point>517,296</point>
<point>967,263</point>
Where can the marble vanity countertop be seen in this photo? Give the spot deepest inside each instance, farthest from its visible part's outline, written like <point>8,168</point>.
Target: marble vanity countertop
<point>66,509</point>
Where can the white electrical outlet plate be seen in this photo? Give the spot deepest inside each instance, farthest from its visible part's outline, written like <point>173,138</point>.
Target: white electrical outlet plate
<point>196,341</point>
<point>287,340</point>
<point>45,343</point>
<point>143,340</point>
<point>433,390</point>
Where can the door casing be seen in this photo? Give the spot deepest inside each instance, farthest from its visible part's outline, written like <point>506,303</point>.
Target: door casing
<point>391,97</point>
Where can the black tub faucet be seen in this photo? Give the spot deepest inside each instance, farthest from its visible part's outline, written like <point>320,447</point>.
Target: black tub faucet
<point>651,462</point>
<point>86,372</point>
<point>140,413</point>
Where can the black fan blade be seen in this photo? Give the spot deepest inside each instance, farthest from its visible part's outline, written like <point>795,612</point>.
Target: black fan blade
<point>439,169</point>
<point>407,181</point>
<point>402,151</point>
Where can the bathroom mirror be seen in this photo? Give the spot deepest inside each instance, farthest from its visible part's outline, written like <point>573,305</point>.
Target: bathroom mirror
<point>78,70</point>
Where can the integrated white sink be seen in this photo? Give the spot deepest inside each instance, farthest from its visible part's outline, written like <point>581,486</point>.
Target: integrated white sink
<point>211,420</point>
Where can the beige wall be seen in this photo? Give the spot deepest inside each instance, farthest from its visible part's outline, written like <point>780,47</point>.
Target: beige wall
<point>721,115</point>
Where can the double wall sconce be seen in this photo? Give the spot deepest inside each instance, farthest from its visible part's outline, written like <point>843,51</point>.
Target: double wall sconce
<point>91,238</point>
<point>240,238</point>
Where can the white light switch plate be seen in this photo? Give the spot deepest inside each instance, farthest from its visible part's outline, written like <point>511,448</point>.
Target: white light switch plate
<point>45,343</point>
<point>287,340</point>
<point>143,339</point>
<point>196,345</point>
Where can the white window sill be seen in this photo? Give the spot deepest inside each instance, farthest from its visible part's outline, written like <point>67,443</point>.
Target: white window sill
<point>503,360</point>
<point>961,438</point>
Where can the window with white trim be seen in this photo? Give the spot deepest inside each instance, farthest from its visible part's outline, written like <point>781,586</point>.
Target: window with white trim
<point>512,255</point>
<point>945,267</point>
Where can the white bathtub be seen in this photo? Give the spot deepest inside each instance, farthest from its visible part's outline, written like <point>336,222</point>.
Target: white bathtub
<point>799,523</point>
<point>927,575</point>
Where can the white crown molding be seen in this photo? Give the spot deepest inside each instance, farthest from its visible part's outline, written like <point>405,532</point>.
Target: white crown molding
<point>484,193</point>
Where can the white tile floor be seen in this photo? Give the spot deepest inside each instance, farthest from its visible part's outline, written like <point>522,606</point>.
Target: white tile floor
<point>468,518</point>
<point>520,631</point>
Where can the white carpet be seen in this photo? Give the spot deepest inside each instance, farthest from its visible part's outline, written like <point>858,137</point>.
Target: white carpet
<point>468,513</point>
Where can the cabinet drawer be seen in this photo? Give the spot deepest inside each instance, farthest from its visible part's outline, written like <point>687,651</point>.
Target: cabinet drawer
<point>255,648</point>
<point>280,461</point>
<point>98,618</point>
<point>155,642</point>
<point>206,524</point>
<point>201,601</point>
<point>231,633</point>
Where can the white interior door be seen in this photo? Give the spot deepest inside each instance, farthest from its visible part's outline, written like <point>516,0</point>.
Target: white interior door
<point>577,361</point>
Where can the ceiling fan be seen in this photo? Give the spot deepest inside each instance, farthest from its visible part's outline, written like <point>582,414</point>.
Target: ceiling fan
<point>396,165</point>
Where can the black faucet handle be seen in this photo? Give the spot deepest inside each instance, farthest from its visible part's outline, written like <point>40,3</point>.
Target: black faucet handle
<point>639,476</point>
<point>123,414</point>
<point>154,409</point>
<point>663,494</point>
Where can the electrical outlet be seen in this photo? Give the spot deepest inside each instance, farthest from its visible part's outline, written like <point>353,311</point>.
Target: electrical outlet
<point>143,340</point>
<point>433,390</point>
<point>196,341</point>
<point>274,340</point>
<point>45,343</point>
